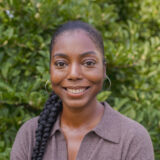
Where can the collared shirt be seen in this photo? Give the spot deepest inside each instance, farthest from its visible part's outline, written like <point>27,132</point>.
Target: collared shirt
<point>116,137</point>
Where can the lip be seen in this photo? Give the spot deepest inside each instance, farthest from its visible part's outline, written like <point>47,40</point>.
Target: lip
<point>76,95</point>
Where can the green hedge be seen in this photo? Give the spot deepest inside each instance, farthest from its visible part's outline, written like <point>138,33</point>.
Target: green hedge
<point>131,33</point>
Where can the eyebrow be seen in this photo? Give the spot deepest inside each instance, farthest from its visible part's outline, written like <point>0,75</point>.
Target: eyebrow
<point>60,55</point>
<point>82,55</point>
<point>88,53</point>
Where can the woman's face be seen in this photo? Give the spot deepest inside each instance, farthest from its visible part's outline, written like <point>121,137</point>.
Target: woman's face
<point>77,70</point>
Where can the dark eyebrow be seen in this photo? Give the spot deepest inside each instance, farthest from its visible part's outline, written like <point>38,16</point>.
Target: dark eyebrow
<point>82,55</point>
<point>88,53</point>
<point>60,55</point>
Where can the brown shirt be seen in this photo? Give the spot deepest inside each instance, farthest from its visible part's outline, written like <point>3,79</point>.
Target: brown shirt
<point>116,137</point>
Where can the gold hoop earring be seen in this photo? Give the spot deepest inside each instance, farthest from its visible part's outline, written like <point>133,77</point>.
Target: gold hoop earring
<point>110,83</point>
<point>46,86</point>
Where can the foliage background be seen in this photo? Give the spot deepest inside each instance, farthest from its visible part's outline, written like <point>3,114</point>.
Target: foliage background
<point>131,33</point>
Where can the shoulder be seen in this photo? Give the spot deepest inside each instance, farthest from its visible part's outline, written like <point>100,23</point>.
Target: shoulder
<point>130,126</point>
<point>27,130</point>
<point>29,125</point>
<point>132,129</point>
<point>123,123</point>
<point>24,141</point>
<point>137,139</point>
<point>132,135</point>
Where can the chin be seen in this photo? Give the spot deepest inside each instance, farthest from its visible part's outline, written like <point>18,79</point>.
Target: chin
<point>75,104</point>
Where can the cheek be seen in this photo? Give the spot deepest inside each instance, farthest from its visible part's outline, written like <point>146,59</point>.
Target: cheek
<point>95,76</point>
<point>57,76</point>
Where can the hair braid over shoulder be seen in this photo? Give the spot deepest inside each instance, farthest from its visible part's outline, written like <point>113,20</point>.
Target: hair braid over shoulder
<point>46,121</point>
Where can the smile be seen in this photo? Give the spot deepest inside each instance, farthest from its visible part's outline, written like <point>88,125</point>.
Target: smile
<point>76,91</point>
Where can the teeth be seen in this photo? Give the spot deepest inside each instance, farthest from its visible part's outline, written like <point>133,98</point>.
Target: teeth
<point>76,91</point>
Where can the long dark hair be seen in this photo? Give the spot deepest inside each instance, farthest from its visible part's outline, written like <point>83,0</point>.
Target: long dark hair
<point>53,106</point>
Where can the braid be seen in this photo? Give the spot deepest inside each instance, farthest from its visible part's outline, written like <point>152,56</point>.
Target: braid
<point>46,121</point>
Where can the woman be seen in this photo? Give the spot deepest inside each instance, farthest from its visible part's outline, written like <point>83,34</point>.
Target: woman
<point>73,124</point>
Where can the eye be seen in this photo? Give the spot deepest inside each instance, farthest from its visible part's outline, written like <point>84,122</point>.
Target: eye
<point>89,63</point>
<point>60,64</point>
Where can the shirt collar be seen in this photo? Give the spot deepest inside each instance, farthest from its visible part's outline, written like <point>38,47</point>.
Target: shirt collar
<point>108,128</point>
<point>56,126</point>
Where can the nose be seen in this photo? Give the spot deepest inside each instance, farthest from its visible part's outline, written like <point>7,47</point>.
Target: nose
<point>74,72</point>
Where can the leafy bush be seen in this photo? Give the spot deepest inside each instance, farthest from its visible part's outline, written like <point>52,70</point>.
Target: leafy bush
<point>131,31</point>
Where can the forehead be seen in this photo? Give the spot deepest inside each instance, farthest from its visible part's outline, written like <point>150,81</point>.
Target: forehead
<point>77,41</point>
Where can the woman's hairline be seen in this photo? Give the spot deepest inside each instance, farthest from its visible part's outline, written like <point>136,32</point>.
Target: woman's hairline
<point>53,41</point>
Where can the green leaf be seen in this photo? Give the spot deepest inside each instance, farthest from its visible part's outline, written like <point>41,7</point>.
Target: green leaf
<point>102,96</point>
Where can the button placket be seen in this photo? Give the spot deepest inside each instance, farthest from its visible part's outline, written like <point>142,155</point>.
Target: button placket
<point>61,147</point>
<point>87,146</point>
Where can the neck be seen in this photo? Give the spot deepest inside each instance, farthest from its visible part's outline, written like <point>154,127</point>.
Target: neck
<point>87,116</point>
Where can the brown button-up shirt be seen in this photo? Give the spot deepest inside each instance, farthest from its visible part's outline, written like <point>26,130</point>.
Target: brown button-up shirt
<point>116,137</point>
